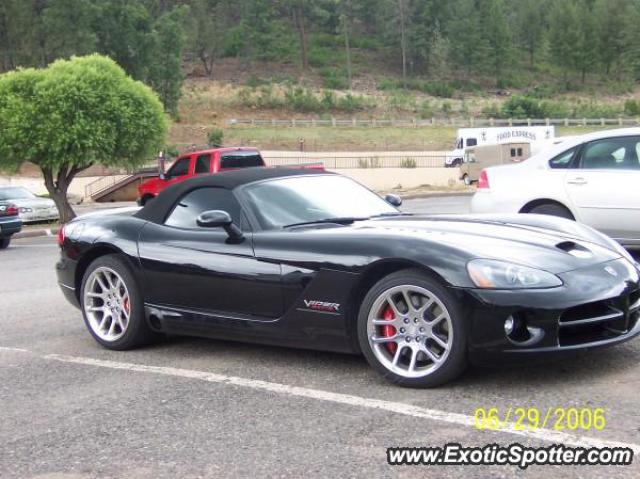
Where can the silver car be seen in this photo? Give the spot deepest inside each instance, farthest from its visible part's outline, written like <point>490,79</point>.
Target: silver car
<point>31,207</point>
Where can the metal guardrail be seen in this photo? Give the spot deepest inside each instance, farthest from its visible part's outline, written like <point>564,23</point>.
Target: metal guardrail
<point>421,122</point>
<point>338,162</point>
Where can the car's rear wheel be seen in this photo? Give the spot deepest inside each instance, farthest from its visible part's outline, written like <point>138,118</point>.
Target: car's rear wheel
<point>4,242</point>
<point>552,209</point>
<point>112,306</point>
<point>466,180</point>
<point>411,330</point>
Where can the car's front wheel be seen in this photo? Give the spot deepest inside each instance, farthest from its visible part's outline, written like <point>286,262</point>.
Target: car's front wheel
<point>112,305</point>
<point>411,330</point>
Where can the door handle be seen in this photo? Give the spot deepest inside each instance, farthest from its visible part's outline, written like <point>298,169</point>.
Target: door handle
<point>577,181</point>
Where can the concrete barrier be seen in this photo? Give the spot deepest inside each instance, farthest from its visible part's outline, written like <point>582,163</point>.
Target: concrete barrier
<point>390,178</point>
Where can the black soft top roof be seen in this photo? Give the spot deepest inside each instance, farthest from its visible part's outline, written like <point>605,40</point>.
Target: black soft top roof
<point>157,210</point>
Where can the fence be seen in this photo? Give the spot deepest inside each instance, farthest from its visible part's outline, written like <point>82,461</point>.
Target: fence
<point>420,122</point>
<point>338,162</point>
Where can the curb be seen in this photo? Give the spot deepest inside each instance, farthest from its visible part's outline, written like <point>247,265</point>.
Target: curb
<point>35,233</point>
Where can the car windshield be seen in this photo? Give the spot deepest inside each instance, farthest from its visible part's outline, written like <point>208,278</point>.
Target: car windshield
<point>15,193</point>
<point>306,199</point>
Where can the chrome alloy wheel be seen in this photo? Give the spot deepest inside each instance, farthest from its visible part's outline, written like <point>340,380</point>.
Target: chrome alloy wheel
<point>106,304</point>
<point>410,331</point>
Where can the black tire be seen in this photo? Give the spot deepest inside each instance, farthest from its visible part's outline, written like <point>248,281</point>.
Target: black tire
<point>457,162</point>
<point>466,180</point>
<point>552,209</point>
<point>4,242</point>
<point>456,361</point>
<point>137,332</point>
<point>145,199</point>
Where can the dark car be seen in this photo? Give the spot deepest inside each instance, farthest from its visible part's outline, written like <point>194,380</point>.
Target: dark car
<point>10,223</point>
<point>315,260</point>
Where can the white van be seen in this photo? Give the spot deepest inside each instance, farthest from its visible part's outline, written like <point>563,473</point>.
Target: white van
<point>468,137</point>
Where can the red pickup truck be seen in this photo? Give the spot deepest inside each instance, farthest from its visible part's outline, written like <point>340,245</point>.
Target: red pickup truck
<point>205,162</point>
<point>200,162</point>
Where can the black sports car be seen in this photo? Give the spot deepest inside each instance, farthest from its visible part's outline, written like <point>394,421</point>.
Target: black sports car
<point>315,260</point>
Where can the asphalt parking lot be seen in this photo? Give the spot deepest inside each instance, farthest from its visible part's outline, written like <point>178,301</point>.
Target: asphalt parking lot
<point>195,407</point>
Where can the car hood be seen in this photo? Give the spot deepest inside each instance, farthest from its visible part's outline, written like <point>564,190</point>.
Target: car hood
<point>553,245</point>
<point>33,203</point>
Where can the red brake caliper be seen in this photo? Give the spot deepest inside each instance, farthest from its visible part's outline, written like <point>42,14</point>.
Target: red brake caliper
<point>388,331</point>
<point>125,305</point>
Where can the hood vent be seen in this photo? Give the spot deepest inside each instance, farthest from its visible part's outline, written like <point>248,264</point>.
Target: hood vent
<point>575,249</point>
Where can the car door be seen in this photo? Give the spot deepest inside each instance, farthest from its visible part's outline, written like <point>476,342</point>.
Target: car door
<point>179,171</point>
<point>604,186</point>
<point>197,269</point>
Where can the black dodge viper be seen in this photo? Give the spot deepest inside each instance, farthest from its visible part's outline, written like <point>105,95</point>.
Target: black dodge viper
<point>315,260</point>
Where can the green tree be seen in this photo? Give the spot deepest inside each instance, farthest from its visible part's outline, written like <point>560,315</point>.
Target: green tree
<point>209,20</point>
<point>564,35</point>
<point>165,73</point>
<point>69,28</point>
<point>531,24</point>
<point>496,38</point>
<point>74,114</point>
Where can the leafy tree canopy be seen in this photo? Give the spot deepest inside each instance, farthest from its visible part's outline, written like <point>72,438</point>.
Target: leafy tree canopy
<point>73,114</point>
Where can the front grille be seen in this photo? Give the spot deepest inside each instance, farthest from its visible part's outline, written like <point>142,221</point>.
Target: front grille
<point>599,321</point>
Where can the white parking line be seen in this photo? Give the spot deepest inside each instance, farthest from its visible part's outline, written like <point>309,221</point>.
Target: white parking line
<point>547,435</point>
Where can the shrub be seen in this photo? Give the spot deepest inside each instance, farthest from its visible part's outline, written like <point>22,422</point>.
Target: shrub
<point>438,88</point>
<point>425,110</point>
<point>387,84</point>
<point>408,163</point>
<point>373,162</point>
<point>302,99</point>
<point>321,56</point>
<point>331,78</point>
<point>215,137</point>
<point>351,102</point>
<point>254,81</point>
<point>632,108</point>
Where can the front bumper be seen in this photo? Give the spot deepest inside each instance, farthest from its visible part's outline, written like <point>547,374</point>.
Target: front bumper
<point>593,308</point>
<point>9,226</point>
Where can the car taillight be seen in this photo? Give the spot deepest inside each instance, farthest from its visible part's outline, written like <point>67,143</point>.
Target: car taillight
<point>61,236</point>
<point>483,180</point>
<point>12,210</point>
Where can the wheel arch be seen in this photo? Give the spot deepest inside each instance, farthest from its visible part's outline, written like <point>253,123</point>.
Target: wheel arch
<point>97,251</point>
<point>370,276</point>
<point>542,201</point>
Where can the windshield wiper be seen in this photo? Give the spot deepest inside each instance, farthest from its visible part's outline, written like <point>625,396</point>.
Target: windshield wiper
<point>340,220</point>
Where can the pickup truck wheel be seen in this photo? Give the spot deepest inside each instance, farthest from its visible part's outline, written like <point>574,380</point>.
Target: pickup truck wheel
<point>4,242</point>
<point>145,199</point>
<point>411,330</point>
<point>112,305</point>
<point>552,209</point>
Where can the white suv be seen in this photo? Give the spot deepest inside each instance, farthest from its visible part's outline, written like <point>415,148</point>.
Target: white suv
<point>593,178</point>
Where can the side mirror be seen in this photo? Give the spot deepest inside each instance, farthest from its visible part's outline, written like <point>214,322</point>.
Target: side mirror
<point>393,200</point>
<point>219,218</point>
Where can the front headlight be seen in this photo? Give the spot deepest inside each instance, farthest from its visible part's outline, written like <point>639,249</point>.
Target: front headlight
<point>495,274</point>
